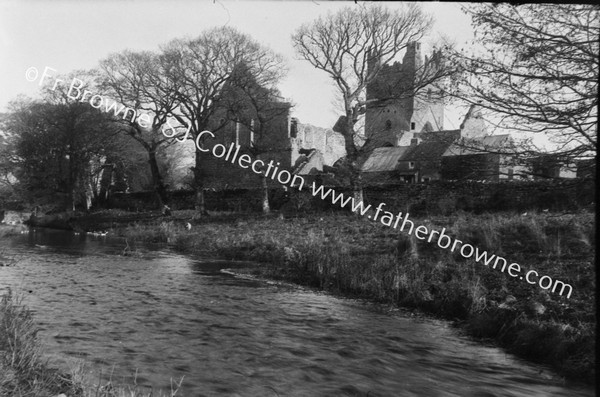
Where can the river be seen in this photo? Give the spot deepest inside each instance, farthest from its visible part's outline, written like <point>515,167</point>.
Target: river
<point>167,316</point>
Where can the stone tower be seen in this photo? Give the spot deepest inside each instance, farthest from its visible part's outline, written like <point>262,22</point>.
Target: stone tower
<point>398,114</point>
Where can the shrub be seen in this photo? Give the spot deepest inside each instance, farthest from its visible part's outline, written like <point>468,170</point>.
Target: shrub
<point>447,205</point>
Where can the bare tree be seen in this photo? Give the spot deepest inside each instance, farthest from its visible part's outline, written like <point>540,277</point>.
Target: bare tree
<point>352,46</point>
<point>138,80</point>
<point>202,67</point>
<point>536,70</point>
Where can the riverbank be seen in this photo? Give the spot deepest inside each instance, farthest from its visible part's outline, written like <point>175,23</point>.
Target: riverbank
<point>355,257</point>
<point>12,230</point>
<point>24,372</point>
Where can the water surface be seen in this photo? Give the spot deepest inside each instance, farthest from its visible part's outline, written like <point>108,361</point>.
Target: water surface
<point>169,316</point>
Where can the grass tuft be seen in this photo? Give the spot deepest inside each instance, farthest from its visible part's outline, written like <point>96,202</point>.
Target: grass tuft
<point>24,372</point>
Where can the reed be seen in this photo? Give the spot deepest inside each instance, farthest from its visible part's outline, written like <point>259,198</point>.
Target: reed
<point>24,371</point>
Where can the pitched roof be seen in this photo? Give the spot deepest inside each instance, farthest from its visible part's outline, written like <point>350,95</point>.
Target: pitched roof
<point>427,150</point>
<point>478,145</point>
<point>384,159</point>
<point>444,135</point>
<point>473,109</point>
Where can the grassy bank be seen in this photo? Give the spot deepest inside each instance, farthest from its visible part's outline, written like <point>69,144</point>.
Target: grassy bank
<point>25,373</point>
<point>356,257</point>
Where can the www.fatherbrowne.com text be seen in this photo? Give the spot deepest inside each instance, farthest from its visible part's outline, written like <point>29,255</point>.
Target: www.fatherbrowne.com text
<point>396,221</point>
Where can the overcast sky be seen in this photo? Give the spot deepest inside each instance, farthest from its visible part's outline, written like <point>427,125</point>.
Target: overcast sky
<point>76,34</point>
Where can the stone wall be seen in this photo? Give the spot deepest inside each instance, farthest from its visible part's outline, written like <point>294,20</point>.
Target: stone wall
<point>249,200</point>
<point>328,142</point>
<point>437,197</point>
<point>442,197</point>
<point>483,166</point>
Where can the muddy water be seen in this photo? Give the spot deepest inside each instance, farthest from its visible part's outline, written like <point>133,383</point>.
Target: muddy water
<point>169,316</point>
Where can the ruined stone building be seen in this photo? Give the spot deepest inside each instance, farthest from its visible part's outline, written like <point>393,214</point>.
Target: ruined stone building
<point>467,153</point>
<point>260,122</point>
<point>405,139</point>
<point>406,136</point>
<point>395,112</point>
<point>552,166</point>
<point>295,146</point>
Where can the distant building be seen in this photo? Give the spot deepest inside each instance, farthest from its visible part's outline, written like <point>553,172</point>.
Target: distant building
<point>291,145</point>
<point>466,153</point>
<point>551,166</point>
<point>325,142</point>
<point>406,141</point>
<point>423,161</point>
<point>405,138</point>
<point>394,115</point>
<point>482,158</point>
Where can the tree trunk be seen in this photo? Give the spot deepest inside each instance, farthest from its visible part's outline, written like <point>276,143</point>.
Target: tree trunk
<point>352,154</point>
<point>357,187</point>
<point>265,195</point>
<point>199,205</point>
<point>72,181</point>
<point>105,183</point>
<point>159,187</point>
<point>89,195</point>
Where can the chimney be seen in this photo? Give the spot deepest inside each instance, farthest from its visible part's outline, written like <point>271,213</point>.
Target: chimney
<point>293,127</point>
<point>415,140</point>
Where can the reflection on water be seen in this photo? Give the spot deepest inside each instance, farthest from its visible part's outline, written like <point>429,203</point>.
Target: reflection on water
<point>168,316</point>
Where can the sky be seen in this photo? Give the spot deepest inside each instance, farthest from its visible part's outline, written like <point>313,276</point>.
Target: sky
<point>70,35</point>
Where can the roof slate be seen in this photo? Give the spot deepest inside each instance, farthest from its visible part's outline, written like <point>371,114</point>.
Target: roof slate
<point>384,159</point>
<point>427,151</point>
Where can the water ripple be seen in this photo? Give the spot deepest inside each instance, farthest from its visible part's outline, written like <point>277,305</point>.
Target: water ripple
<point>168,316</point>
